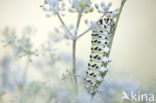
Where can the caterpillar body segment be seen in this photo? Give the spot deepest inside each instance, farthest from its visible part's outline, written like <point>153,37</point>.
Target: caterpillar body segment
<point>94,66</point>
<point>101,37</point>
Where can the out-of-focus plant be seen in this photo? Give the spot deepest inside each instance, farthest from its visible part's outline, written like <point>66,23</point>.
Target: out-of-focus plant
<point>21,46</point>
<point>2,93</point>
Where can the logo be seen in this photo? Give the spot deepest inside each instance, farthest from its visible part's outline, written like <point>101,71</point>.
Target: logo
<point>140,97</point>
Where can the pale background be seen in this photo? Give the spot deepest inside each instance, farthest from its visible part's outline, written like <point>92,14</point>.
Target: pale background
<point>133,52</point>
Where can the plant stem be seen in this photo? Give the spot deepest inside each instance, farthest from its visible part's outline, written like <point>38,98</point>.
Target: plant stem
<point>67,29</point>
<point>116,24</point>
<point>83,33</point>
<point>111,41</point>
<point>74,51</point>
<point>78,23</point>
<point>73,47</point>
<point>74,64</point>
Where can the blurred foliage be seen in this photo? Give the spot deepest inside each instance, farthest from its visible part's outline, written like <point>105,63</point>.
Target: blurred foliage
<point>62,92</point>
<point>57,83</point>
<point>57,87</point>
<point>22,45</point>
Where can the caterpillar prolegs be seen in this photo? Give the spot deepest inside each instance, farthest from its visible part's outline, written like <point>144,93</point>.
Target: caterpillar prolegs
<point>101,38</point>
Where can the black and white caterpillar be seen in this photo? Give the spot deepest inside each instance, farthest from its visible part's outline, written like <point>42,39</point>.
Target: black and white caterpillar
<point>101,38</point>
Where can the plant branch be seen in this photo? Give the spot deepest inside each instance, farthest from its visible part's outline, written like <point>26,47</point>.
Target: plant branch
<point>116,24</point>
<point>63,23</point>
<point>78,23</point>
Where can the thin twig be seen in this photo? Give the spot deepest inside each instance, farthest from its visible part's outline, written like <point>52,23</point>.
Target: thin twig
<point>78,23</point>
<point>63,23</point>
<point>84,32</point>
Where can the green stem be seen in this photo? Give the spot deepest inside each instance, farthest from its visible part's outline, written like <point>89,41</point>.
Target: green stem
<point>74,64</point>
<point>110,46</point>
<point>116,24</point>
<point>73,46</point>
<point>74,51</point>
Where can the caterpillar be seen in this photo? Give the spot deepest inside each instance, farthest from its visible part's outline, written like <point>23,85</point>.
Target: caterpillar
<point>101,38</point>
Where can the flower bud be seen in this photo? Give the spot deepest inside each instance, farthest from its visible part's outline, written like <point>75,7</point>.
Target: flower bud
<point>103,4</point>
<point>96,6</point>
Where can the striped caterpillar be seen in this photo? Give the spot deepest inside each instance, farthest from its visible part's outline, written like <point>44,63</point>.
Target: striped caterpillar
<point>97,66</point>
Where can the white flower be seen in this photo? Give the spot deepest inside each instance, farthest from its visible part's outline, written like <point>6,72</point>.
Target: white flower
<point>103,4</point>
<point>80,6</point>
<point>109,5</point>
<point>104,8</point>
<point>96,6</point>
<point>54,6</point>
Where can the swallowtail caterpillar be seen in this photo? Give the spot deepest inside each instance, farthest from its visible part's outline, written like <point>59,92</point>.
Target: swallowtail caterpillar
<point>99,59</point>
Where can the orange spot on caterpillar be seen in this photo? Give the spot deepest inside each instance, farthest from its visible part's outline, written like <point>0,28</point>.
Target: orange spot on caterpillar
<point>99,42</point>
<point>98,58</point>
<point>97,67</point>
<point>94,75</point>
<point>89,64</point>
